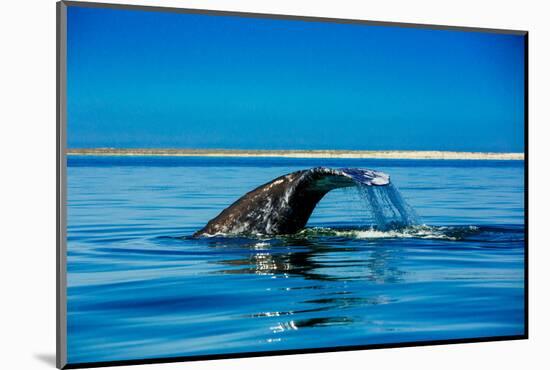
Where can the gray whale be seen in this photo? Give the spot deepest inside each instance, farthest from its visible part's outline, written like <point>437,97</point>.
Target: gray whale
<point>284,205</point>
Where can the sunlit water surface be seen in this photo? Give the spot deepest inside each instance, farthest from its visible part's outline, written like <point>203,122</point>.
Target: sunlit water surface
<point>140,287</point>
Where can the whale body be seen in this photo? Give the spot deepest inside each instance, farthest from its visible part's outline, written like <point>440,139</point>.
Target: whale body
<point>284,205</point>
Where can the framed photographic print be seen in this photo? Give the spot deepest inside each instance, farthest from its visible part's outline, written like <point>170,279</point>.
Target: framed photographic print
<point>234,184</point>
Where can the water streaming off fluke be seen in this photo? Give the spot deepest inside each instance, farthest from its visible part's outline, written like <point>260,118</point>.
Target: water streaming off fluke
<point>386,207</point>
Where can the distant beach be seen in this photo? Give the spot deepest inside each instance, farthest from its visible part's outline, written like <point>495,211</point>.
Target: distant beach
<point>372,154</point>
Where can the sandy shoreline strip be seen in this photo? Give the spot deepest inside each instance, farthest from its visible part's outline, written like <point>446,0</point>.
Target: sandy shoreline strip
<point>374,154</point>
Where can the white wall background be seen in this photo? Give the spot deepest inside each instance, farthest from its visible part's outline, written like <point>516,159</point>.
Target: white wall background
<point>27,207</point>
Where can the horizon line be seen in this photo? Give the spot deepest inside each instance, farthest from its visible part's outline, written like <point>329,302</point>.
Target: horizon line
<point>299,153</point>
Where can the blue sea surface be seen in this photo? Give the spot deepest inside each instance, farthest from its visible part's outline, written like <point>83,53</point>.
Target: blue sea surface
<point>140,287</point>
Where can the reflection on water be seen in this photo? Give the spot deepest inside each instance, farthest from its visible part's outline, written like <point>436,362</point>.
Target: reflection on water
<point>140,287</point>
<point>312,260</point>
<point>305,258</point>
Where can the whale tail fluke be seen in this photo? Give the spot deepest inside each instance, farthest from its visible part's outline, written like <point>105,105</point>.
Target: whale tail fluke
<point>284,205</point>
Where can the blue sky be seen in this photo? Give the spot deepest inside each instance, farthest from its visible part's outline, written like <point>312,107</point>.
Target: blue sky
<point>153,79</point>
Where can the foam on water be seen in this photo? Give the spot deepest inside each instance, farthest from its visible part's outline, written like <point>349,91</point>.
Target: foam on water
<point>450,233</point>
<point>412,232</point>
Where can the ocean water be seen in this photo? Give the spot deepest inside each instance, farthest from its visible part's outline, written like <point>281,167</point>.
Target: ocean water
<point>140,287</point>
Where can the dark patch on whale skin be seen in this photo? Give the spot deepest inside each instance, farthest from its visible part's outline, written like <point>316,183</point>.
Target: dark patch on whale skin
<point>284,205</point>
